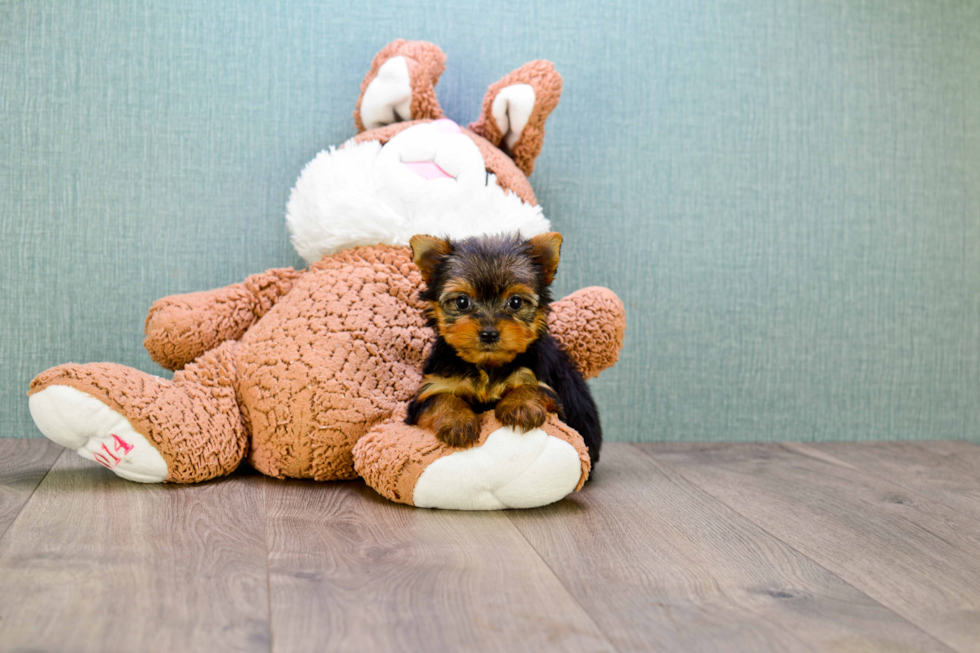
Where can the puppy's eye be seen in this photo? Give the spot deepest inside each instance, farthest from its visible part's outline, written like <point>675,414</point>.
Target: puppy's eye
<point>515,303</point>
<point>462,303</point>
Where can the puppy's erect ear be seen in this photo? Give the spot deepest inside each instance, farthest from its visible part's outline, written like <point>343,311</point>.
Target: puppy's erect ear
<point>515,108</point>
<point>429,252</point>
<point>545,249</point>
<point>400,85</point>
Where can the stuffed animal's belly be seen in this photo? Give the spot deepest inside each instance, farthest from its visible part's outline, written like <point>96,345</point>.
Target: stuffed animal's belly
<point>329,361</point>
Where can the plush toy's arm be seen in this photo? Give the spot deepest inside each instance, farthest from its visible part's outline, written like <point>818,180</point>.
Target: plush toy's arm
<point>590,325</point>
<point>180,328</point>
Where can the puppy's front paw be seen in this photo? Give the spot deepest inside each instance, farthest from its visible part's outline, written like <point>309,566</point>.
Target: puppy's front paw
<point>523,417</point>
<point>452,419</point>
<point>460,431</point>
<point>523,409</point>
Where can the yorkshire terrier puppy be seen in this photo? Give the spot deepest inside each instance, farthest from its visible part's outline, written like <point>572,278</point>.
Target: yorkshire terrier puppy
<point>488,301</point>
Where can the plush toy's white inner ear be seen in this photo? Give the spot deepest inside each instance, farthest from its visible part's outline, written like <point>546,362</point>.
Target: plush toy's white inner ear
<point>388,97</point>
<point>511,109</point>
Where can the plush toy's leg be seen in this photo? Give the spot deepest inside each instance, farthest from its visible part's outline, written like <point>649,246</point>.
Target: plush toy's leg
<point>142,427</point>
<point>505,469</point>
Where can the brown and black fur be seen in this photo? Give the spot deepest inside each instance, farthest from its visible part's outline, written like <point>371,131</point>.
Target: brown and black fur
<point>490,351</point>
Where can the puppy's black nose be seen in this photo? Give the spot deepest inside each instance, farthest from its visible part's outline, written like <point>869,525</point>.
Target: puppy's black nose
<point>489,335</point>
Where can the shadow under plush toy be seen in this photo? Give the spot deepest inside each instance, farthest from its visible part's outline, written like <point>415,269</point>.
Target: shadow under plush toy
<point>307,374</point>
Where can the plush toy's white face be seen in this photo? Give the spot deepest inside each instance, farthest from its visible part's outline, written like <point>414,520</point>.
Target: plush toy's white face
<point>429,178</point>
<point>429,167</point>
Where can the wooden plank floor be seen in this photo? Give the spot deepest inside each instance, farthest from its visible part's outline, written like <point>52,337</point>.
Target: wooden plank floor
<point>845,547</point>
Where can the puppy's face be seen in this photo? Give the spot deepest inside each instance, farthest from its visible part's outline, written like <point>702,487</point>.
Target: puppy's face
<point>488,297</point>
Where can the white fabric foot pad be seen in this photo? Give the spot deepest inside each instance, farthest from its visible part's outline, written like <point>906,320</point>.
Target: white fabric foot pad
<point>510,470</point>
<point>94,431</point>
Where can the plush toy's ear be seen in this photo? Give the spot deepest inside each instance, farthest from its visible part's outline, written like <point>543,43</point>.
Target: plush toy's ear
<point>545,249</point>
<point>428,252</point>
<point>400,85</point>
<point>515,108</point>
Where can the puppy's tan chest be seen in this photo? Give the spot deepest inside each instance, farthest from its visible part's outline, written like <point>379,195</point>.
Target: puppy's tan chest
<point>482,389</point>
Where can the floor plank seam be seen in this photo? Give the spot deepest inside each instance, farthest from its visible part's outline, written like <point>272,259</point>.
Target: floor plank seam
<point>563,586</point>
<point>857,589</point>
<point>31,497</point>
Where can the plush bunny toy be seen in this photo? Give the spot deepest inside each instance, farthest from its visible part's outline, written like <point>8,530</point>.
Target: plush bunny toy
<point>306,374</point>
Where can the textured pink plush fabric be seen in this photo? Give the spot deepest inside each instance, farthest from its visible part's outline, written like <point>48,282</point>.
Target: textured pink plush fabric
<point>333,358</point>
<point>590,324</point>
<point>546,82</point>
<point>425,62</point>
<point>182,327</point>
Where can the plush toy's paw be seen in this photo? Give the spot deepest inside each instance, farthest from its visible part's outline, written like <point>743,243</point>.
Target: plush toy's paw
<point>506,468</point>
<point>590,325</point>
<point>85,425</point>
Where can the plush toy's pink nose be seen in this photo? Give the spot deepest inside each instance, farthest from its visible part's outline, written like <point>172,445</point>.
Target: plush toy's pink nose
<point>447,126</point>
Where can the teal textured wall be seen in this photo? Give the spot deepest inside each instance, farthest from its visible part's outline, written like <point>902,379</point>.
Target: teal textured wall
<point>786,195</point>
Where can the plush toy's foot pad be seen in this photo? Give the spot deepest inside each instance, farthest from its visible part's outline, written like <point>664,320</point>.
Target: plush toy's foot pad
<point>510,470</point>
<point>505,469</point>
<point>85,425</point>
<point>192,422</point>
